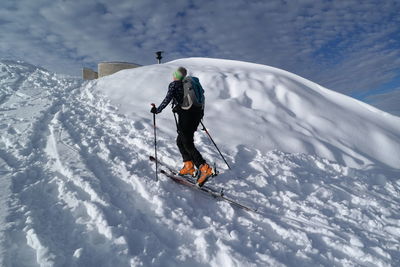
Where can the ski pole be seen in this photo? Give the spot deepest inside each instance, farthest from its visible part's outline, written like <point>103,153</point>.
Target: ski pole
<point>155,142</point>
<point>205,129</point>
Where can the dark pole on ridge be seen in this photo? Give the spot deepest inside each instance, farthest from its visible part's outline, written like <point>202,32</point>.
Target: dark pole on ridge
<point>159,56</point>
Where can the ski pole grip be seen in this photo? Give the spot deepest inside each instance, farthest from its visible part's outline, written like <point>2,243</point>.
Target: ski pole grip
<point>153,109</point>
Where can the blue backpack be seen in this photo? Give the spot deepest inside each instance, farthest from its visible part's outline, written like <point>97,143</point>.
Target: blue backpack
<point>193,93</point>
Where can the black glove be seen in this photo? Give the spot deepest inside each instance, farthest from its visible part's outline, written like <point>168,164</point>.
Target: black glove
<point>154,110</point>
<point>176,109</point>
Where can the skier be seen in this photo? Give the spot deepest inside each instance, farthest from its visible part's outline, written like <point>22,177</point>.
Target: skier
<point>188,121</point>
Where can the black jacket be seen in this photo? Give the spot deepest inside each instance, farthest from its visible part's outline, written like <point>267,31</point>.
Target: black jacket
<point>175,92</point>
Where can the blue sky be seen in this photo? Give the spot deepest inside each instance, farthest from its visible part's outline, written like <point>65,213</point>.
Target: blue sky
<point>349,46</point>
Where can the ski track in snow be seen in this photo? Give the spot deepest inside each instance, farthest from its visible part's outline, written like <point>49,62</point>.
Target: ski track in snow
<point>77,189</point>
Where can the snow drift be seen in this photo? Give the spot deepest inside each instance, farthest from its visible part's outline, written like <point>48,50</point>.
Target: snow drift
<point>77,188</point>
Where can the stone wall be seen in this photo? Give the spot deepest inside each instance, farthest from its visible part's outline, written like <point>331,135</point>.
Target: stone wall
<point>88,74</point>
<point>108,68</point>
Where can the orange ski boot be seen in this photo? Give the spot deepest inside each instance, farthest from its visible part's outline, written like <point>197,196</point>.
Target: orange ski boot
<point>205,172</point>
<point>188,169</point>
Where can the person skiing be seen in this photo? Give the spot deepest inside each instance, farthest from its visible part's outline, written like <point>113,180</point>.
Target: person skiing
<point>189,118</point>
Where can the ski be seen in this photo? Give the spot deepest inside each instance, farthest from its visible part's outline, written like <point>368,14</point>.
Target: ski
<point>190,182</point>
<point>153,159</point>
<point>211,192</point>
<point>189,178</point>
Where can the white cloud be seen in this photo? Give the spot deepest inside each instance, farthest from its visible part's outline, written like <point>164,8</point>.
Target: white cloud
<point>344,45</point>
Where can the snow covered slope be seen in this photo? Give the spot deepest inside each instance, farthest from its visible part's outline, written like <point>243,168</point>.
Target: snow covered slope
<point>265,108</point>
<point>77,188</point>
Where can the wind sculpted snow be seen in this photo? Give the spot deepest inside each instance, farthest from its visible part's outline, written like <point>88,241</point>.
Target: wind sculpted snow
<point>77,188</point>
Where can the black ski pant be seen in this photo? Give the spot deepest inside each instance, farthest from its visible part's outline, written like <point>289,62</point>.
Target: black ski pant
<point>188,121</point>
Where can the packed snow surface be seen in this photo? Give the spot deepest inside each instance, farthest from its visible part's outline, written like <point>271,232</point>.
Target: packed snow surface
<point>77,188</point>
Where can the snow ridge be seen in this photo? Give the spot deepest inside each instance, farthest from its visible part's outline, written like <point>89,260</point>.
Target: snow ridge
<point>77,190</point>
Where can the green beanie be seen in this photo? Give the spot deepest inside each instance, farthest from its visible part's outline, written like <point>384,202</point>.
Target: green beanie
<point>178,75</point>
